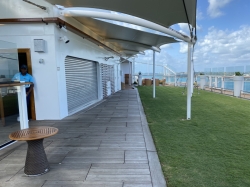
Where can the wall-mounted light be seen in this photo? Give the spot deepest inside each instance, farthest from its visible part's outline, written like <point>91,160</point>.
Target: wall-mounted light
<point>107,58</point>
<point>63,27</point>
<point>41,61</point>
<point>64,39</point>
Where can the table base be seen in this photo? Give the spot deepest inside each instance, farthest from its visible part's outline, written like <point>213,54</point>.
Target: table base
<point>36,160</point>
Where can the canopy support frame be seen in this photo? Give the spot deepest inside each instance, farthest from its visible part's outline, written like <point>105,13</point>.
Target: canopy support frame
<point>189,81</point>
<point>153,74</point>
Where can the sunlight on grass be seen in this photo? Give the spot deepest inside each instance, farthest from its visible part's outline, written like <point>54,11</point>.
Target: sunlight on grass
<point>212,149</point>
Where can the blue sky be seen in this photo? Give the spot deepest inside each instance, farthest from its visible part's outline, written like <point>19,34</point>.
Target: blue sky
<point>223,31</point>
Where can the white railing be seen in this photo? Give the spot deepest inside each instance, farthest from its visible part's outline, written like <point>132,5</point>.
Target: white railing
<point>223,84</point>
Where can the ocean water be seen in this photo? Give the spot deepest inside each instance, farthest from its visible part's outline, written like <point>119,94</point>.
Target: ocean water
<point>150,77</point>
<point>228,84</point>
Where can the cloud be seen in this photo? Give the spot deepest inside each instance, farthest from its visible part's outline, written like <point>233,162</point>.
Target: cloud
<point>223,48</point>
<point>166,46</point>
<point>183,47</point>
<point>199,15</point>
<point>215,6</point>
<point>198,27</point>
<point>183,28</point>
<point>144,62</point>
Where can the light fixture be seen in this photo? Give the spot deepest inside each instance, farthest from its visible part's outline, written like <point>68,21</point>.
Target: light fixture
<point>63,27</point>
<point>64,39</point>
<point>107,58</point>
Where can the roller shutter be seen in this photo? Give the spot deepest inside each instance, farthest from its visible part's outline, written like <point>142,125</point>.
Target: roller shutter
<point>107,72</point>
<point>81,83</point>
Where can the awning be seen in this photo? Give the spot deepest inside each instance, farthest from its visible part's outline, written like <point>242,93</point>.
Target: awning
<point>129,41</point>
<point>162,12</point>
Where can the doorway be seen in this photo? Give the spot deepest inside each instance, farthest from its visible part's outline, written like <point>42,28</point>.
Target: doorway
<point>24,57</point>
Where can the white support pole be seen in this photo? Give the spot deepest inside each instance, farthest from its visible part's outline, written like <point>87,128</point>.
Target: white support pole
<point>153,74</point>
<point>192,78</point>
<point>134,71</point>
<point>130,73</point>
<point>22,105</point>
<point>189,82</point>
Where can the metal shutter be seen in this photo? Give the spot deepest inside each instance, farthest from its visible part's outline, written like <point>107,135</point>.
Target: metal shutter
<point>81,83</point>
<point>107,72</point>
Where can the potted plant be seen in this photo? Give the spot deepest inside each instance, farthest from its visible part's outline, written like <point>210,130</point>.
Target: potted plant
<point>202,80</point>
<point>238,83</point>
<point>139,78</point>
<point>238,73</point>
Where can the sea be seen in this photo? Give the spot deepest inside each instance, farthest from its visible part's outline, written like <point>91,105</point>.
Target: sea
<point>228,82</point>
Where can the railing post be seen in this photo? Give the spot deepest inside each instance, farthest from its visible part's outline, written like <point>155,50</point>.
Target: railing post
<point>210,81</point>
<point>215,82</point>
<point>22,105</point>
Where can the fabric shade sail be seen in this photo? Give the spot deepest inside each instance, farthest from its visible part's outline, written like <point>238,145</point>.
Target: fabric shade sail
<point>162,12</point>
<point>125,39</point>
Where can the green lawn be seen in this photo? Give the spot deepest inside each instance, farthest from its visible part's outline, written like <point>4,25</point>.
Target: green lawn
<point>212,149</point>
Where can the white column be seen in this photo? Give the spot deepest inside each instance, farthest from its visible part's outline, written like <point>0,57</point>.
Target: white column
<point>238,82</point>
<point>192,78</point>
<point>153,74</point>
<point>216,82</point>
<point>222,82</point>
<point>189,82</point>
<point>133,80</point>
<point>202,81</point>
<point>22,105</point>
<point>130,73</point>
<point>210,81</point>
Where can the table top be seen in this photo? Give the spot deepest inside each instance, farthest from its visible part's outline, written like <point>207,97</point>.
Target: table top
<point>33,133</point>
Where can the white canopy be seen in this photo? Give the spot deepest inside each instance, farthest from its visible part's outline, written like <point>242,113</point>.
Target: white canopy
<point>162,12</point>
<point>128,41</point>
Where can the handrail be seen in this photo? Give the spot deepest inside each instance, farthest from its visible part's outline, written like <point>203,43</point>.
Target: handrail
<point>2,85</point>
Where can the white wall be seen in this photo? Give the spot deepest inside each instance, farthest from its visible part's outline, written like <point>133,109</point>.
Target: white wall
<point>45,75</point>
<point>50,85</point>
<point>81,48</point>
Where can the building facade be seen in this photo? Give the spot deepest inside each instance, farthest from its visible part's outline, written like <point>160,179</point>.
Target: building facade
<point>69,76</point>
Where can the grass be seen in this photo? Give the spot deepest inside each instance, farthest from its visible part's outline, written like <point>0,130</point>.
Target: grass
<point>212,149</point>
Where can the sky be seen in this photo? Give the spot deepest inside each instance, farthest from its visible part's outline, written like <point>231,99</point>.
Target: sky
<point>223,32</point>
